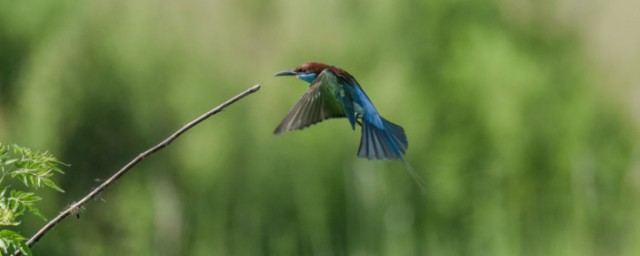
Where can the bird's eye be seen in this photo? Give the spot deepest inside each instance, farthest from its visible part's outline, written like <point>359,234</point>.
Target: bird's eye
<point>302,70</point>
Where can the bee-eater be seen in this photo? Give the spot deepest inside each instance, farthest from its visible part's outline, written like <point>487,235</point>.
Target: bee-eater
<point>334,93</point>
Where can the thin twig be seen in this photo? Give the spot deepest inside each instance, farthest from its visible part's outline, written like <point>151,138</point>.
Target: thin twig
<point>78,205</point>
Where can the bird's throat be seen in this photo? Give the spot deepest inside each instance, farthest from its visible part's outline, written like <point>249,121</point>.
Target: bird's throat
<point>309,77</point>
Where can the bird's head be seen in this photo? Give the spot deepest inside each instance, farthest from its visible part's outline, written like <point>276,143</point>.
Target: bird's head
<point>307,71</point>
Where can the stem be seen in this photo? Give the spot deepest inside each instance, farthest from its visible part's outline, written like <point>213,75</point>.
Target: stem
<point>78,205</point>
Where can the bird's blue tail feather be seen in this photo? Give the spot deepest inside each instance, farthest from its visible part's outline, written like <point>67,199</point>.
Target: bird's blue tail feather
<point>387,142</point>
<point>414,175</point>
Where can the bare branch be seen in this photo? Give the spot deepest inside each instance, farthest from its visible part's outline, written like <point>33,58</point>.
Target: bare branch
<point>78,205</point>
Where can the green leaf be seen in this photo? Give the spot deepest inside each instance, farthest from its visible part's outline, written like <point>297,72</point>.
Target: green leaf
<point>52,185</point>
<point>11,241</point>
<point>25,249</point>
<point>10,161</point>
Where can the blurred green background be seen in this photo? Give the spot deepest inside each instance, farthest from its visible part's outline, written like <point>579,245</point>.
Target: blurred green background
<point>521,117</point>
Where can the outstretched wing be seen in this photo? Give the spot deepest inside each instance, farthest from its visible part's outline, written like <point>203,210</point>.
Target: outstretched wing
<point>320,102</point>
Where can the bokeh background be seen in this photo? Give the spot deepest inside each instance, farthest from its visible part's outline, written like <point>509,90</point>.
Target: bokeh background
<point>522,118</point>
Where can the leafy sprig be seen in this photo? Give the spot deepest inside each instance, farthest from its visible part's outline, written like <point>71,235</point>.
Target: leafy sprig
<point>32,169</point>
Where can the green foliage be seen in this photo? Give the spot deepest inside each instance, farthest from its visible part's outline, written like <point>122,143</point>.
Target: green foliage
<point>33,170</point>
<point>11,241</point>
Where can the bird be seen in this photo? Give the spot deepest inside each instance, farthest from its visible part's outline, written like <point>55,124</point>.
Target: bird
<point>334,93</point>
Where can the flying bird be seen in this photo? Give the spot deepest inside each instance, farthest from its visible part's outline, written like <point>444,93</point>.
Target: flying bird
<point>334,93</point>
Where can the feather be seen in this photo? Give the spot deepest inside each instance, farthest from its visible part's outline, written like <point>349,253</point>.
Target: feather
<point>389,142</point>
<point>319,103</point>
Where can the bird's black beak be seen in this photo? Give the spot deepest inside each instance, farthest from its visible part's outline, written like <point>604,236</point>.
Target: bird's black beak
<point>286,73</point>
